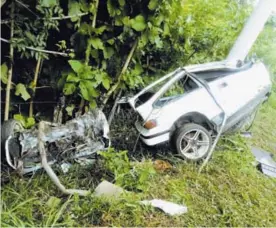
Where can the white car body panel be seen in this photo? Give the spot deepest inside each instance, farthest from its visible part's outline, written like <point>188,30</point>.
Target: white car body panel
<point>233,92</point>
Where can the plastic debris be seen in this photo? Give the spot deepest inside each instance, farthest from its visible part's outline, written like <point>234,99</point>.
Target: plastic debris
<point>266,163</point>
<point>65,167</point>
<point>166,206</point>
<point>246,134</point>
<point>108,189</point>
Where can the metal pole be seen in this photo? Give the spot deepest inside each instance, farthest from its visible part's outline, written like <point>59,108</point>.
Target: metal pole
<point>251,30</point>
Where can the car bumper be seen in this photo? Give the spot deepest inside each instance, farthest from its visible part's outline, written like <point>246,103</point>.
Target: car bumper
<point>151,139</point>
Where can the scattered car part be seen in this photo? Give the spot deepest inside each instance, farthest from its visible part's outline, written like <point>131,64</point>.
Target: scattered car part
<point>107,189</point>
<point>77,138</point>
<point>266,163</point>
<point>168,207</point>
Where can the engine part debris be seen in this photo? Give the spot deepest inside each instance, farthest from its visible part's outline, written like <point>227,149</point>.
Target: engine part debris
<point>78,138</point>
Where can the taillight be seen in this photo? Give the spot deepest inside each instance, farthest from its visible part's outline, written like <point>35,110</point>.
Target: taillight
<point>150,124</point>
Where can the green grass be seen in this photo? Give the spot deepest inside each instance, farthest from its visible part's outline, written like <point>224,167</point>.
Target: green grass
<point>229,192</point>
<point>264,127</point>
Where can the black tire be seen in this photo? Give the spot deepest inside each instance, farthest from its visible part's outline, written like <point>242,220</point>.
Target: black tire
<point>9,128</point>
<point>189,128</point>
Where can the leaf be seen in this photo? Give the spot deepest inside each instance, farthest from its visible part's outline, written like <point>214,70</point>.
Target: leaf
<point>76,65</point>
<point>108,52</point>
<point>122,2</point>
<point>53,202</point>
<point>138,23</point>
<point>69,88</point>
<point>30,121</point>
<point>92,104</point>
<point>126,21</point>
<point>87,90</point>
<point>166,29</point>
<point>138,69</point>
<point>27,122</point>
<point>106,83</point>
<point>111,8</point>
<point>21,90</point>
<point>19,118</point>
<point>74,9</point>
<point>48,3</point>
<point>110,41</point>
<point>62,80</point>
<point>69,109</point>
<point>84,91</point>
<point>96,43</point>
<point>153,4</point>
<point>99,30</point>
<point>72,78</point>
<point>4,73</point>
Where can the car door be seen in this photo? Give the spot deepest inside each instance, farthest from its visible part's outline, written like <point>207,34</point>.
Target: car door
<point>232,92</point>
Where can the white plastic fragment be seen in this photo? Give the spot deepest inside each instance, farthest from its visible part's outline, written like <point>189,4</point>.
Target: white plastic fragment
<point>65,167</point>
<point>108,189</point>
<point>168,207</point>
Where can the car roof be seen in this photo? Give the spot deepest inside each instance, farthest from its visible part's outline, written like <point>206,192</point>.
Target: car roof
<point>214,66</point>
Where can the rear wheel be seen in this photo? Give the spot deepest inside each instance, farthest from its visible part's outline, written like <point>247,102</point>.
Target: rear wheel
<point>192,142</point>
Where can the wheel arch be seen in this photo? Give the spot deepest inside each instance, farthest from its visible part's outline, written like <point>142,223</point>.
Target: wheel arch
<point>192,117</point>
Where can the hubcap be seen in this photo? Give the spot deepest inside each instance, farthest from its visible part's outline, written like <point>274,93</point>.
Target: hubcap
<point>194,144</point>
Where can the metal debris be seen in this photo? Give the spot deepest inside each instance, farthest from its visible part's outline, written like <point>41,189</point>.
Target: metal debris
<point>266,163</point>
<point>78,138</point>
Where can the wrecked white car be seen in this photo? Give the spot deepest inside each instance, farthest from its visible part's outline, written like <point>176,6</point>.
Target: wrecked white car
<point>193,104</point>
<point>78,138</point>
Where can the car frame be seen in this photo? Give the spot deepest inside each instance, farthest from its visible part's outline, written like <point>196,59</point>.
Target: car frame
<point>226,98</point>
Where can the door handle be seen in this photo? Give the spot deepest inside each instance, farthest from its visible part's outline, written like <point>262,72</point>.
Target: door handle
<point>223,85</point>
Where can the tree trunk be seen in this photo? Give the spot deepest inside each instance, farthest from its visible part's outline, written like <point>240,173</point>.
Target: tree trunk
<point>31,109</point>
<point>8,89</point>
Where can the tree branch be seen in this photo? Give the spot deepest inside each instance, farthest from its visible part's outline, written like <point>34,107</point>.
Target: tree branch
<point>52,18</point>
<point>68,17</point>
<point>9,82</point>
<point>26,7</point>
<point>115,86</point>
<point>40,50</point>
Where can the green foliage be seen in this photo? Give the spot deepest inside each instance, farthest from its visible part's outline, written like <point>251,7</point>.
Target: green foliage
<point>138,23</point>
<point>131,177</point>
<point>27,122</point>
<point>4,73</point>
<point>48,3</point>
<point>20,90</point>
<point>86,80</point>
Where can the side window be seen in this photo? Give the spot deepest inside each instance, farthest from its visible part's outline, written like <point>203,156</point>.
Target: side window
<point>181,87</point>
<point>184,85</point>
